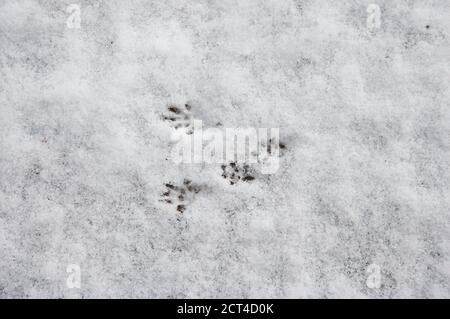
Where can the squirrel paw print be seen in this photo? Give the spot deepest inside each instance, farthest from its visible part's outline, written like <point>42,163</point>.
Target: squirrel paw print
<point>234,172</point>
<point>179,196</point>
<point>179,117</point>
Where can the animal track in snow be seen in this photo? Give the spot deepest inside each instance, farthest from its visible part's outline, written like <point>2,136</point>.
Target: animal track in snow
<point>235,172</point>
<point>281,148</point>
<point>180,196</point>
<point>179,117</point>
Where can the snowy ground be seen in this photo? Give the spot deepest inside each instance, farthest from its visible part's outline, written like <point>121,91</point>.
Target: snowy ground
<point>360,206</point>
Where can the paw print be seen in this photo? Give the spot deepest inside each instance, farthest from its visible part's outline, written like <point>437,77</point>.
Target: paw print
<point>179,117</point>
<point>281,147</point>
<point>234,173</point>
<point>273,151</point>
<point>180,196</point>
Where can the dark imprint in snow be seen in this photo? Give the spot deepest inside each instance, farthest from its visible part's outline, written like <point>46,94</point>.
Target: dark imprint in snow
<point>234,173</point>
<point>179,196</point>
<point>179,117</point>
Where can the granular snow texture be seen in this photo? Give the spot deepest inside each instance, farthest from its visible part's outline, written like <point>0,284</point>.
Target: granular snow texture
<point>360,205</point>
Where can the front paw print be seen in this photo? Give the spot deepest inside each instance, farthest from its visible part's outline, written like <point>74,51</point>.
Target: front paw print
<point>180,196</point>
<point>179,117</point>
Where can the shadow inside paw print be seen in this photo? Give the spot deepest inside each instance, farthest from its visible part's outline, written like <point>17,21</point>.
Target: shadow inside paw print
<point>179,117</point>
<point>180,196</point>
<point>234,173</point>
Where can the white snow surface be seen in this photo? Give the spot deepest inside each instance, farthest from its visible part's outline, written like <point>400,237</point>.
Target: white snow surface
<point>364,180</point>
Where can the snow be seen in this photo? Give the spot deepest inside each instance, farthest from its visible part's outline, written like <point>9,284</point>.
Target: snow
<point>85,153</point>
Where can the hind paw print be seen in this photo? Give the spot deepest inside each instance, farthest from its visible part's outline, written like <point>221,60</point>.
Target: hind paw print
<point>273,151</point>
<point>179,117</point>
<point>281,147</point>
<point>180,196</point>
<point>234,173</point>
